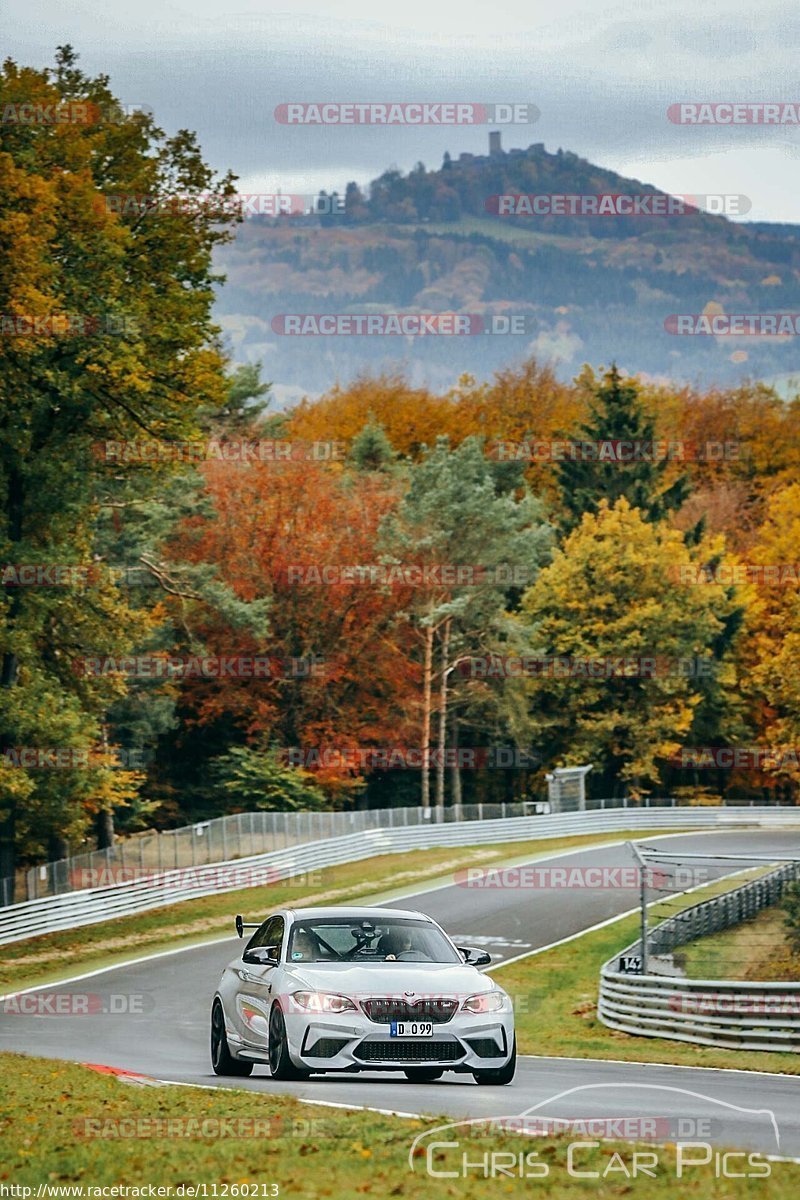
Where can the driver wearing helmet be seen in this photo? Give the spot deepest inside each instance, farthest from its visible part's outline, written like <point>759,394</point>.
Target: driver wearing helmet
<point>303,948</point>
<point>394,943</point>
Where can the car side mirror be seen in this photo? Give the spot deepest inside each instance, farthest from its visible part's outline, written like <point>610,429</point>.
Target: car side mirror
<point>475,958</point>
<point>262,956</point>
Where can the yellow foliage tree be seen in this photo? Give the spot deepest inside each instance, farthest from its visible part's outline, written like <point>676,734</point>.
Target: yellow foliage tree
<point>623,631</point>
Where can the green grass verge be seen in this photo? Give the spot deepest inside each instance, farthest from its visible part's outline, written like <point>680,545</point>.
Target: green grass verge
<point>54,956</point>
<point>62,1125</point>
<point>555,995</point>
<point>757,949</point>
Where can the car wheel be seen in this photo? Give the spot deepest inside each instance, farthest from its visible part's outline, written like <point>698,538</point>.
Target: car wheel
<point>502,1074</point>
<point>222,1060</point>
<point>423,1074</point>
<point>280,1064</point>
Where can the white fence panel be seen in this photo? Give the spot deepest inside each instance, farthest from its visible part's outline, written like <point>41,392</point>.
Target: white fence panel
<point>159,888</point>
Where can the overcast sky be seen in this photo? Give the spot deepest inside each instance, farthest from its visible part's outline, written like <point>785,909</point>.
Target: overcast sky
<point>601,73</point>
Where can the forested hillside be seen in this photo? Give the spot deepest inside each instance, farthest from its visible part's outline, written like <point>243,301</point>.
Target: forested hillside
<point>587,286</point>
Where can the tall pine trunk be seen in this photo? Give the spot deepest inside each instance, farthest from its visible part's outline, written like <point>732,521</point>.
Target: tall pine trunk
<point>104,827</point>
<point>104,819</point>
<point>8,679</point>
<point>427,687</point>
<point>455,769</point>
<point>442,740</point>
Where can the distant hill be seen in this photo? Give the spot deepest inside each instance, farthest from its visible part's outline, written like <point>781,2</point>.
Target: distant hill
<point>590,288</point>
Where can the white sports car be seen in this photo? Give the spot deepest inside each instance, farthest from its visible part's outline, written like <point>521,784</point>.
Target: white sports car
<point>360,989</point>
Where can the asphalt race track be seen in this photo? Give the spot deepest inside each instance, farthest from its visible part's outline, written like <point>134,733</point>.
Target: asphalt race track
<point>168,1037</point>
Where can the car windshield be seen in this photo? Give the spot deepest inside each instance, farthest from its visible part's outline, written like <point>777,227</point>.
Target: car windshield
<point>390,939</point>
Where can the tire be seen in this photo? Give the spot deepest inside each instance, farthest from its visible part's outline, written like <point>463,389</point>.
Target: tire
<point>423,1074</point>
<point>501,1075</point>
<point>222,1060</point>
<point>280,1064</point>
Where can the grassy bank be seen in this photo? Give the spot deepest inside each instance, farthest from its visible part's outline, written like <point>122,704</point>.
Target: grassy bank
<point>63,1125</point>
<point>757,949</point>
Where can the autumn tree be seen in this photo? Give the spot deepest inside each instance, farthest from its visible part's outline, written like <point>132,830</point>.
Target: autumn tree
<point>773,680</point>
<point>618,618</point>
<point>252,779</point>
<point>286,535</point>
<point>460,511</point>
<point>410,417</point>
<point>107,335</point>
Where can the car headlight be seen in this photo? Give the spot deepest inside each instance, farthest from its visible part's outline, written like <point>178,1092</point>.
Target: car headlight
<point>484,1002</point>
<point>322,1002</point>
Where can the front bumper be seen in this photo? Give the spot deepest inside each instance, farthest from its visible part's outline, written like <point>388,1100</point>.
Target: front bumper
<point>352,1041</point>
<point>356,1041</point>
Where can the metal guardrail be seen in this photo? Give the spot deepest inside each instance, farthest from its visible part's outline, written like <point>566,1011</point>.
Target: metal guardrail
<point>156,889</point>
<point>224,838</point>
<point>737,1014</point>
<point>722,912</point>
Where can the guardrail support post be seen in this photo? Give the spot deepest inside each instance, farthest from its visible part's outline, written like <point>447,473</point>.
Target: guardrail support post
<point>642,902</point>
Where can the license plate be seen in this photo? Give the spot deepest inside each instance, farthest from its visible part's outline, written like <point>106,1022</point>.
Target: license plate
<point>411,1029</point>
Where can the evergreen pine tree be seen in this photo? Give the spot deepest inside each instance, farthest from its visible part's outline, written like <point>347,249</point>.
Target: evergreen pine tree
<point>616,416</point>
<point>371,449</point>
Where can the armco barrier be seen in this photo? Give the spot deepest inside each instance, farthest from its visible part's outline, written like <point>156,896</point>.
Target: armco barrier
<point>736,1014</point>
<point>710,1012</point>
<point>722,912</point>
<point>221,839</point>
<point>92,905</point>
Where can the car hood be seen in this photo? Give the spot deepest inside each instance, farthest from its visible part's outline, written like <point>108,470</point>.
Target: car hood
<point>390,979</point>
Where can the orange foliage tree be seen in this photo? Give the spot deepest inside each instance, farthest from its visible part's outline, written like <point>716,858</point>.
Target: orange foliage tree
<point>273,528</point>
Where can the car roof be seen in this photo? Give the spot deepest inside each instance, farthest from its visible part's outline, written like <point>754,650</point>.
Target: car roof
<point>351,913</point>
